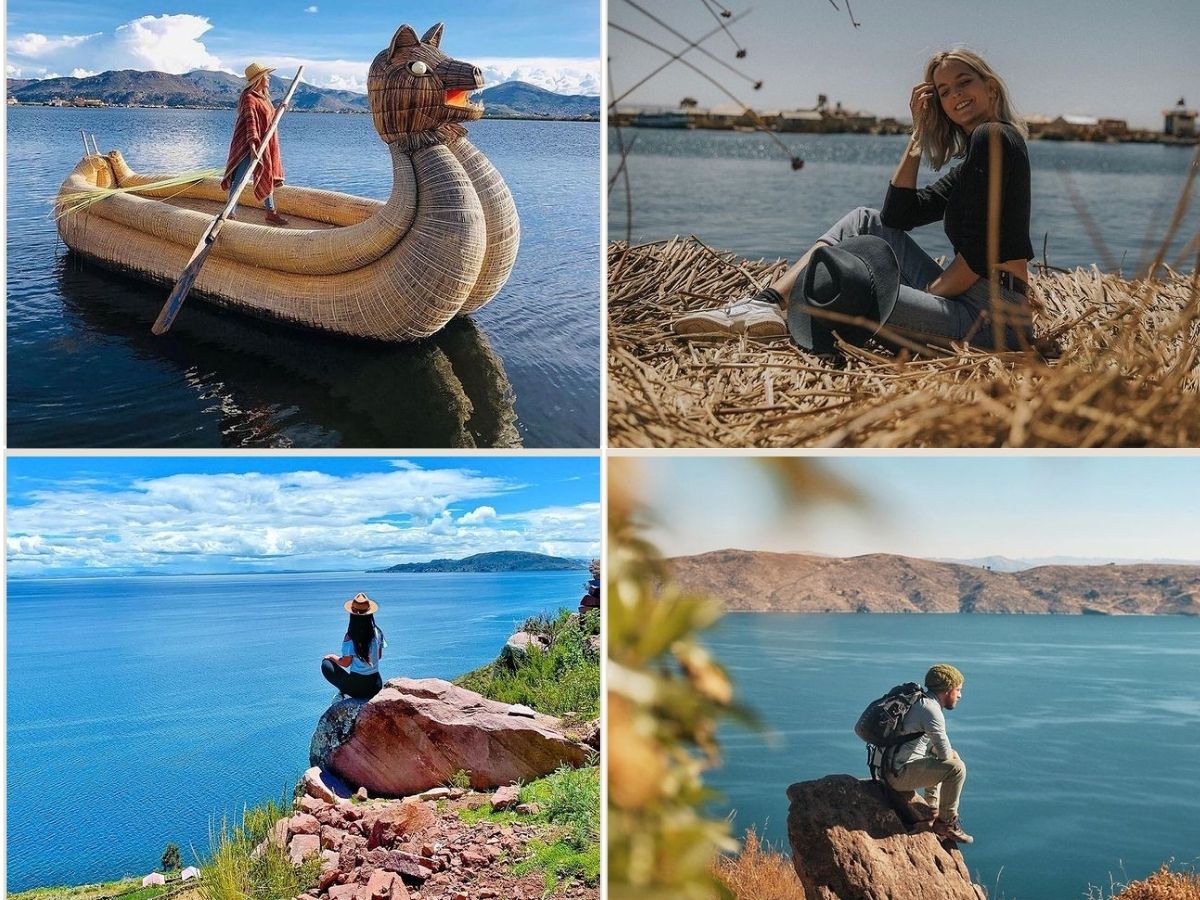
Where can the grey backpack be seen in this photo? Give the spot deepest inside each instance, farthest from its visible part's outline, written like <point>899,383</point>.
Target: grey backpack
<point>881,723</point>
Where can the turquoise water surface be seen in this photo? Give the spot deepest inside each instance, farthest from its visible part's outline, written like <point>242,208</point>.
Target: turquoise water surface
<point>1081,734</point>
<point>141,710</point>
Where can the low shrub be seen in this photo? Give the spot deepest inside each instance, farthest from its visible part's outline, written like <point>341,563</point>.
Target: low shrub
<point>758,872</point>
<point>561,681</point>
<point>1162,885</point>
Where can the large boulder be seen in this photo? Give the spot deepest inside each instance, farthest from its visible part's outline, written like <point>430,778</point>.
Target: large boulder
<point>850,843</point>
<point>416,734</point>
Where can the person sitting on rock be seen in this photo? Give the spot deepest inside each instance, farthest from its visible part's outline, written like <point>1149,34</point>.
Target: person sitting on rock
<point>928,761</point>
<point>356,672</point>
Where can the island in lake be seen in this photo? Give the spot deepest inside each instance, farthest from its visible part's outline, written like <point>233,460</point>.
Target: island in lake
<point>759,581</point>
<point>498,561</point>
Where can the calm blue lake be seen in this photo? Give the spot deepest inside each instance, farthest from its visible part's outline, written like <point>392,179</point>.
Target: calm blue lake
<point>736,191</point>
<point>84,370</point>
<point>1080,733</point>
<point>140,709</point>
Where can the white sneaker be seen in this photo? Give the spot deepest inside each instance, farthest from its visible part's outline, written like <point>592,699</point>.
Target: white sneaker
<point>757,318</point>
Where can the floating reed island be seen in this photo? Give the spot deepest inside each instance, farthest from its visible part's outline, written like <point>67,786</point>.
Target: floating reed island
<point>1127,374</point>
<point>442,245</point>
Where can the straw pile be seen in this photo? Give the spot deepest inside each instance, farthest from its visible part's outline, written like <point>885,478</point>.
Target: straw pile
<point>1127,377</point>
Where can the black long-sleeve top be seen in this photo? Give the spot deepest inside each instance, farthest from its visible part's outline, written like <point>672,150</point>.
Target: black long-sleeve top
<point>961,198</point>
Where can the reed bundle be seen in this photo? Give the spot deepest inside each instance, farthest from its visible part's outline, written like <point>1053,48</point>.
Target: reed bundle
<point>1128,374</point>
<point>77,201</point>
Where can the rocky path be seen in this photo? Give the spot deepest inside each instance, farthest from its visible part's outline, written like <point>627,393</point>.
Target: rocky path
<point>417,848</point>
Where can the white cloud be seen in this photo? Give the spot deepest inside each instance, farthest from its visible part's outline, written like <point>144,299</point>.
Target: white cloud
<point>558,74</point>
<point>166,43</point>
<point>174,43</point>
<point>310,9</point>
<point>478,515</point>
<point>301,519</point>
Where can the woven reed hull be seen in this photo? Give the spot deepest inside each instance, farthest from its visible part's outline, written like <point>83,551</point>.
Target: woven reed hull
<point>397,270</point>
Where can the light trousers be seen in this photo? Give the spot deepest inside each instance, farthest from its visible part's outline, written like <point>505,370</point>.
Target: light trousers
<point>941,779</point>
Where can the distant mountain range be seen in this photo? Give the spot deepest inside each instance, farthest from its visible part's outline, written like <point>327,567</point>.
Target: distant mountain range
<point>205,89</point>
<point>795,582</point>
<point>1007,564</point>
<point>498,561</point>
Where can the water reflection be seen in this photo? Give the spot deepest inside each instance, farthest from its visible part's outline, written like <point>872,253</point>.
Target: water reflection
<point>265,384</point>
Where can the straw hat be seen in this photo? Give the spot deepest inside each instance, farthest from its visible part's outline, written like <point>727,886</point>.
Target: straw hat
<point>361,605</point>
<point>254,71</point>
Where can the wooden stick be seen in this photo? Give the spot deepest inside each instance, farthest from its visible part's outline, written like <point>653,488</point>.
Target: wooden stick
<point>199,255</point>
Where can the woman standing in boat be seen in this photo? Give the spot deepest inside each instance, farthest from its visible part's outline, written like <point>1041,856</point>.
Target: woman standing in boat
<point>356,672</point>
<point>960,109</point>
<point>254,114</point>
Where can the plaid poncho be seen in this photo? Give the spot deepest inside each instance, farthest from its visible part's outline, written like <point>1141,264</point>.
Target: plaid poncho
<point>254,114</point>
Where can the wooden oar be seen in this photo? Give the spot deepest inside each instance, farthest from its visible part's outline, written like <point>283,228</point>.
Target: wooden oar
<point>175,302</point>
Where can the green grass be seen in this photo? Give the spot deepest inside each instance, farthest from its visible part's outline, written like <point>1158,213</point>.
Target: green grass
<point>564,679</point>
<point>570,807</point>
<point>128,888</point>
<point>230,872</point>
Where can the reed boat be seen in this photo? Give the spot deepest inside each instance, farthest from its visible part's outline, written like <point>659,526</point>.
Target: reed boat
<point>442,245</point>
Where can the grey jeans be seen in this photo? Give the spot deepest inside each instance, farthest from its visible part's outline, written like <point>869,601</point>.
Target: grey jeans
<point>926,317</point>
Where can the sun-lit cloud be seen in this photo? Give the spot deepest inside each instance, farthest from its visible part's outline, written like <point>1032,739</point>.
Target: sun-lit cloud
<point>166,43</point>
<point>311,9</point>
<point>301,519</point>
<point>561,75</point>
<point>174,43</point>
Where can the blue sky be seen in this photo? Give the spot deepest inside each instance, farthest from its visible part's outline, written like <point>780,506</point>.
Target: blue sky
<point>170,515</point>
<point>1090,57</point>
<point>553,44</point>
<point>1093,507</point>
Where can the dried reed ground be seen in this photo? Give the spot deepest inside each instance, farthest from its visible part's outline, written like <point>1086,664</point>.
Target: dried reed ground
<point>1128,374</point>
<point>1163,885</point>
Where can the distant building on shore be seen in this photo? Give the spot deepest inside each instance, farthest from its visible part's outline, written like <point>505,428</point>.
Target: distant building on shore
<point>1179,121</point>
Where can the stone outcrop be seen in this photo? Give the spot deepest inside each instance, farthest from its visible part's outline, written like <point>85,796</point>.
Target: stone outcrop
<point>850,843</point>
<point>416,734</point>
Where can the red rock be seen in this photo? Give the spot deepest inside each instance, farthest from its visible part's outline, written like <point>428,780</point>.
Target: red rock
<point>303,846</point>
<point>397,821</point>
<point>473,858</point>
<point>343,892</point>
<point>506,797</point>
<point>361,794</point>
<point>529,809</point>
<point>311,805</point>
<point>415,867</point>
<point>330,861</point>
<point>416,733</point>
<point>848,842</point>
<point>382,885</point>
<point>303,823</point>
<point>323,785</point>
<point>331,838</point>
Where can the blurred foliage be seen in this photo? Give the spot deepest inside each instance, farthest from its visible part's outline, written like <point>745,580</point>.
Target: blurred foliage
<point>666,695</point>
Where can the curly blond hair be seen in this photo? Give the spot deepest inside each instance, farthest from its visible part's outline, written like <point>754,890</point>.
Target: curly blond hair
<point>941,139</point>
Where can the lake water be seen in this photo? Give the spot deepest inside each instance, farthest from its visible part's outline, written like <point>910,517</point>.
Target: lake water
<point>85,371</point>
<point>736,191</point>
<point>141,708</point>
<point>1080,733</point>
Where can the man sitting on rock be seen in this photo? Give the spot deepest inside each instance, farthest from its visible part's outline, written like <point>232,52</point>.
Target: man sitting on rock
<point>929,761</point>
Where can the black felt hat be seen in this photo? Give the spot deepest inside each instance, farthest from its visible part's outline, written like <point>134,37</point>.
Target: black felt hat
<point>858,277</point>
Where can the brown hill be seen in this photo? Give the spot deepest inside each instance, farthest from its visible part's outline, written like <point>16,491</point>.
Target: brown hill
<point>759,581</point>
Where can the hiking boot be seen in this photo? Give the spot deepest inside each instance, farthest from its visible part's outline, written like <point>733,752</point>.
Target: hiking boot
<point>952,830</point>
<point>274,218</point>
<point>747,315</point>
